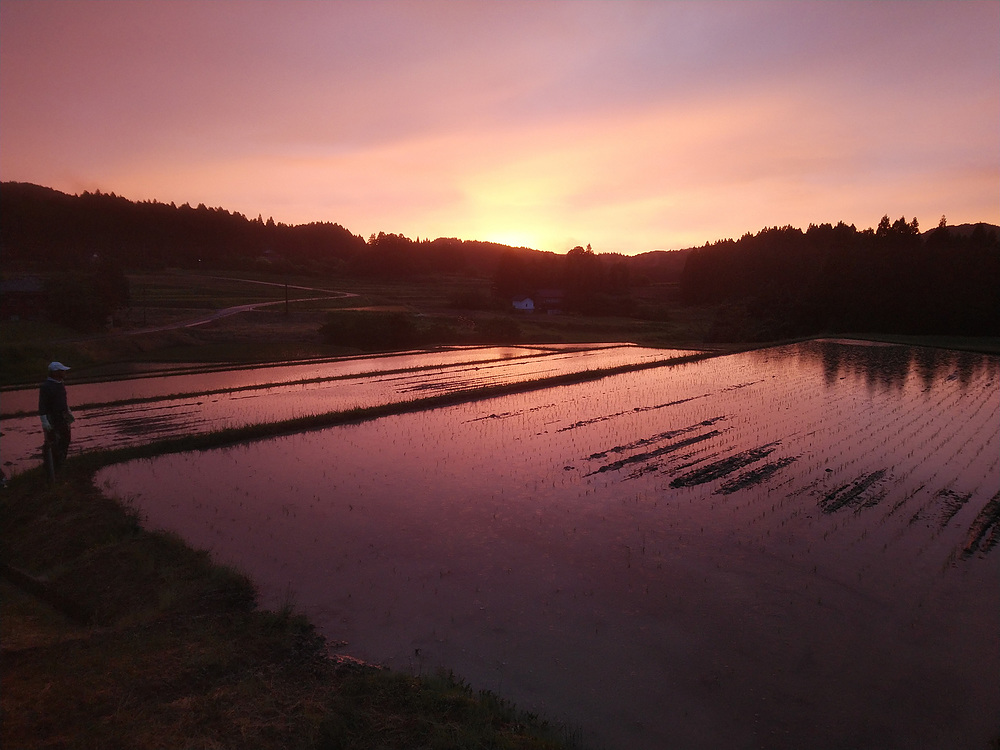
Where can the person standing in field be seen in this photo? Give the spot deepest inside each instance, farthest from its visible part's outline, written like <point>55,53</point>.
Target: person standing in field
<point>56,417</point>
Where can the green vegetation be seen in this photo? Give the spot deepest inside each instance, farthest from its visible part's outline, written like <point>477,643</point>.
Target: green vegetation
<point>430,310</point>
<point>381,331</point>
<point>115,636</point>
<point>392,315</point>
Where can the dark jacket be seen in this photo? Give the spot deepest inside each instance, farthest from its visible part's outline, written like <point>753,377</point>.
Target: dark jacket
<point>52,402</point>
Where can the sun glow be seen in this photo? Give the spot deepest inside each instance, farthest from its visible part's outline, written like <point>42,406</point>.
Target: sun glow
<point>512,237</point>
<point>628,126</point>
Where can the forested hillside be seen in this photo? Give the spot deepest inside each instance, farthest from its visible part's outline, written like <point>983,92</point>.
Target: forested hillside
<point>893,279</point>
<point>44,229</point>
<point>91,240</point>
<point>777,283</point>
<point>47,229</point>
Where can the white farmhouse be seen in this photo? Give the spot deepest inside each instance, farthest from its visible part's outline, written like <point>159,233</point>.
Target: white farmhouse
<point>525,304</point>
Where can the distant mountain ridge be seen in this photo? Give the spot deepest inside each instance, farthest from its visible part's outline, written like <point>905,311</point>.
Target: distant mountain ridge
<point>43,226</point>
<point>41,223</point>
<point>965,230</point>
<point>779,282</point>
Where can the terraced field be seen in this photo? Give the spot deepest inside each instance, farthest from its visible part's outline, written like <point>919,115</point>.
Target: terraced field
<point>783,548</point>
<point>142,410</point>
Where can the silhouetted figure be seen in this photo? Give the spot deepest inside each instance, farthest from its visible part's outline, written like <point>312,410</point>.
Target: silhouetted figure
<point>56,417</point>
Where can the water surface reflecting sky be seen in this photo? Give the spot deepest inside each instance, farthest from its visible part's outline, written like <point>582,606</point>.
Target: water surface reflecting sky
<point>783,548</point>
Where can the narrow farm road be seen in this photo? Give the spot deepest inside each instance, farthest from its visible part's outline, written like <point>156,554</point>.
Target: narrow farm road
<point>236,309</point>
<point>226,311</point>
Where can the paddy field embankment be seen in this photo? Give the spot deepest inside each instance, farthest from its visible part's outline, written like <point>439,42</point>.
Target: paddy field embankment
<point>114,636</point>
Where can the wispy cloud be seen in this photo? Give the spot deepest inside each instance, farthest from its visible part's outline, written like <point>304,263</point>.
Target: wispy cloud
<point>629,125</point>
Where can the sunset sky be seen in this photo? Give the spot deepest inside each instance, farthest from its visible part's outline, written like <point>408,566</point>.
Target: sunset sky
<point>632,126</point>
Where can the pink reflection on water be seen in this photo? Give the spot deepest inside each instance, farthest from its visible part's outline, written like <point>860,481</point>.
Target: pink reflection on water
<point>233,378</point>
<point>272,394</point>
<point>769,549</point>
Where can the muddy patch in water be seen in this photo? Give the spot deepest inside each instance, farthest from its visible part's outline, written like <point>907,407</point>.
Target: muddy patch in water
<point>755,476</point>
<point>724,467</point>
<point>855,494</point>
<point>951,503</point>
<point>985,530</point>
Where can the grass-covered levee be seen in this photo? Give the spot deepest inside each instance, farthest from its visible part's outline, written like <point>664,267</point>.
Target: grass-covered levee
<point>114,636</point>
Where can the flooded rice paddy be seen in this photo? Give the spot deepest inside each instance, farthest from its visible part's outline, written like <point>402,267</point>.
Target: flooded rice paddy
<point>119,413</point>
<point>793,547</point>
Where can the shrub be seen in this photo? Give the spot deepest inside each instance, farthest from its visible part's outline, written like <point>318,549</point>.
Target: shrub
<point>369,330</point>
<point>498,330</point>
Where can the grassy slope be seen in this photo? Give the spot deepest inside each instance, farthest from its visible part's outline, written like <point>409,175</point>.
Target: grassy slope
<point>119,637</point>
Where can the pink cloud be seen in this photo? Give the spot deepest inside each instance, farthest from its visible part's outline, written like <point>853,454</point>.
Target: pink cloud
<point>628,125</point>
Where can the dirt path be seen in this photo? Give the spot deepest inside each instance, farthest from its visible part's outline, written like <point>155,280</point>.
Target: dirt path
<point>228,311</point>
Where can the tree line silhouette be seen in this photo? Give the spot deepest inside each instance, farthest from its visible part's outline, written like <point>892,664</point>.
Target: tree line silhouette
<point>784,282</point>
<point>43,227</point>
<point>777,283</point>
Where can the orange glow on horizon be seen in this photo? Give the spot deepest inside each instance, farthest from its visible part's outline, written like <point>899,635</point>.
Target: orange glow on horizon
<point>630,126</point>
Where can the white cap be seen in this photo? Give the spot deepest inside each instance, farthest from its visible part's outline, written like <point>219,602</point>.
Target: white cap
<point>55,366</point>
